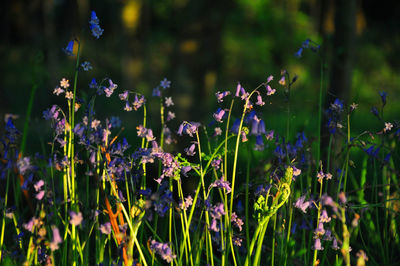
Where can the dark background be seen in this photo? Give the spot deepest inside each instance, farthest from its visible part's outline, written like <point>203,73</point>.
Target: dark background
<point>202,47</point>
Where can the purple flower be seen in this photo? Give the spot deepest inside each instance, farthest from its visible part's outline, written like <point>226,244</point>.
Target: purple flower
<point>237,221</point>
<point>165,84</point>
<point>76,218</point>
<point>190,151</point>
<point>138,102</point>
<point>221,95</point>
<point>320,231</point>
<point>270,91</point>
<point>238,89</point>
<point>93,84</point>
<point>56,239</point>
<point>163,250</point>
<point>221,183</point>
<point>317,244</point>
<point>170,116</point>
<point>299,52</point>
<point>219,115</point>
<point>156,92</point>
<point>259,100</point>
<point>300,204</point>
<point>324,218</point>
<point>40,195</point>
<point>335,244</point>
<point>235,126</point>
<point>185,169</point>
<point>105,228</point>
<point>124,96</point>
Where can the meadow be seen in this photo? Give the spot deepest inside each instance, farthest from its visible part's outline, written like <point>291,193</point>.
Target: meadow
<point>230,190</point>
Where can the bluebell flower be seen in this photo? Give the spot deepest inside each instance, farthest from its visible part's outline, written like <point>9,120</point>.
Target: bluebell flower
<point>86,66</point>
<point>93,84</point>
<point>375,112</point>
<point>165,84</point>
<point>156,92</point>
<point>299,52</point>
<point>69,49</point>
<point>383,95</point>
<point>97,31</point>
<point>235,126</point>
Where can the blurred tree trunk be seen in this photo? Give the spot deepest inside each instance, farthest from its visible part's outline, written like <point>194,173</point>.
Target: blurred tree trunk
<point>339,57</point>
<point>343,49</point>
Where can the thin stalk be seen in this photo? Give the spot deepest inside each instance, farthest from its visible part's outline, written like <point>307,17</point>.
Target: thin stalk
<point>3,222</point>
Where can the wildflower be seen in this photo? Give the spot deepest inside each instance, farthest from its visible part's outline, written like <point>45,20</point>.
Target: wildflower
<point>156,92</point>
<point>259,100</point>
<point>235,126</point>
<point>320,231</point>
<point>342,197</point>
<point>149,135</point>
<point>165,84</point>
<point>217,131</point>
<point>109,91</point>
<point>185,169</point>
<point>163,250</point>
<point>69,49</point>
<point>93,84</point>
<point>105,228</point>
<point>170,116</point>
<point>127,107</point>
<point>237,221</point>
<point>97,31</point>
<point>300,204</point>
<point>328,235</point>
<point>269,135</point>
<point>69,95</point>
<point>355,221</point>
<point>219,115</point>
<point>29,226</point>
<point>383,95</point>
<point>40,195</point>
<point>138,102</point>
<point>237,241</point>
<point>353,106</point>
<point>95,123</point>
<point>324,218</point>
<point>238,89</point>
<point>375,112</point>
<point>221,95</point>
<point>168,101</point>
<point>56,239</point>
<point>24,165</point>
<point>244,136</point>
<point>270,91</point>
<point>221,183</point>
<point>335,244</point>
<point>190,151</point>
<point>57,91</point>
<point>296,171</point>
<point>320,176</point>
<point>299,52</point>
<point>259,146</point>
<point>187,203</point>
<point>86,66</point>
<point>76,218</point>
<point>388,127</point>
<point>362,257</point>
<point>282,81</point>
<point>216,163</point>
<point>64,83</point>
<point>38,185</point>
<point>317,244</point>
<point>328,176</point>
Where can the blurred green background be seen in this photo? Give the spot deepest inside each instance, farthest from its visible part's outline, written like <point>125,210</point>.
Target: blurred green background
<point>202,47</point>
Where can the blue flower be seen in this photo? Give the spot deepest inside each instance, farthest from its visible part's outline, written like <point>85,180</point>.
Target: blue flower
<point>97,31</point>
<point>86,66</point>
<point>165,84</point>
<point>69,49</point>
<point>383,95</point>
